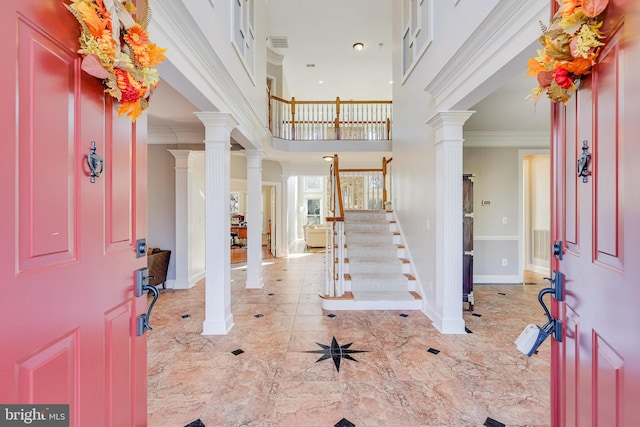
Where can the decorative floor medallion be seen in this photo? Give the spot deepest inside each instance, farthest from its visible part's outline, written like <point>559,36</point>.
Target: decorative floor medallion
<point>335,352</point>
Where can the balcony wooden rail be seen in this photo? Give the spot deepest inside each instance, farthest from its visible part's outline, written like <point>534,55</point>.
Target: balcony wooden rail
<point>330,120</point>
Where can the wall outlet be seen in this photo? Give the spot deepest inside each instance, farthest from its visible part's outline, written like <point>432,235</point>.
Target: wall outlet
<point>505,262</point>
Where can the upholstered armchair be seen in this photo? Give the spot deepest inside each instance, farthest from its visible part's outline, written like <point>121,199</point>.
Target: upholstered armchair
<point>158,264</point>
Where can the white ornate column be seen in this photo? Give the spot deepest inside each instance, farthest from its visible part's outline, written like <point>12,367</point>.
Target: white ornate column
<point>181,256</point>
<point>218,318</point>
<point>449,248</point>
<point>254,218</point>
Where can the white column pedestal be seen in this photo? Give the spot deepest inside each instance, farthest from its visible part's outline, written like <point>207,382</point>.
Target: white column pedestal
<point>218,317</point>
<point>254,219</point>
<point>449,218</point>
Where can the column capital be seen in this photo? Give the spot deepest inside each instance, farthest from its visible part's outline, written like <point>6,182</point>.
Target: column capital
<point>448,124</point>
<point>182,157</point>
<point>218,126</point>
<point>254,154</point>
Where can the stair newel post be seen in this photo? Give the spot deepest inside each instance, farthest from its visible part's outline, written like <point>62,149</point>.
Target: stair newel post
<point>293,118</point>
<point>384,181</point>
<point>336,123</point>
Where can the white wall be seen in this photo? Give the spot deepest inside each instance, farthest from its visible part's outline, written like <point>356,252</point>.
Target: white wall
<point>496,225</point>
<point>472,42</point>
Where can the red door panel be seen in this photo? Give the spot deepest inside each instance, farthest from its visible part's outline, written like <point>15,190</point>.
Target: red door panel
<point>67,305</point>
<point>596,368</point>
<point>46,205</point>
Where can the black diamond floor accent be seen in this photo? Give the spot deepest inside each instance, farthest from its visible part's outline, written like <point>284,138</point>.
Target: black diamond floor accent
<point>335,352</point>
<point>344,423</point>
<point>331,315</point>
<point>490,422</point>
<point>433,351</point>
<point>477,315</point>
<point>467,330</point>
<point>184,316</point>
<point>196,423</point>
<point>501,293</point>
<point>237,352</point>
<point>271,294</point>
<point>404,315</point>
<point>258,315</point>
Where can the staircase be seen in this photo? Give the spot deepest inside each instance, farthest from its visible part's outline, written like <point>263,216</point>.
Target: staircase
<point>376,276</point>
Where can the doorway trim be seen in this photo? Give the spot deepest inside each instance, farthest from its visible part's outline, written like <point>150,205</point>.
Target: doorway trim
<point>521,213</point>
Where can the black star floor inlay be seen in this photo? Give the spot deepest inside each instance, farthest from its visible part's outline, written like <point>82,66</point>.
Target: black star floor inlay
<point>335,352</point>
<point>490,422</point>
<point>258,315</point>
<point>331,315</point>
<point>404,315</point>
<point>344,423</point>
<point>184,316</point>
<point>477,315</point>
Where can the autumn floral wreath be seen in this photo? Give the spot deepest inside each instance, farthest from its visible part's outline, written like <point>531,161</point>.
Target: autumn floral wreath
<point>116,49</point>
<point>570,48</point>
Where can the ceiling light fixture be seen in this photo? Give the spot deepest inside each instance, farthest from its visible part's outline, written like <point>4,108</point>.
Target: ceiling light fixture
<point>327,158</point>
<point>358,46</point>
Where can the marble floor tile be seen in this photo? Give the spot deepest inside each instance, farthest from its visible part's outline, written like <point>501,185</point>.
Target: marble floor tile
<point>286,375</point>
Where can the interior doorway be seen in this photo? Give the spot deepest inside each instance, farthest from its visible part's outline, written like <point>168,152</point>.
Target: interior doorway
<point>536,210</point>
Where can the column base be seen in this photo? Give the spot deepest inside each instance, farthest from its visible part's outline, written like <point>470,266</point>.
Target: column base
<point>212,327</point>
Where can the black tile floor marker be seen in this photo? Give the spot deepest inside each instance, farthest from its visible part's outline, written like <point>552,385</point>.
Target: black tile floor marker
<point>344,423</point>
<point>477,315</point>
<point>404,315</point>
<point>490,422</point>
<point>184,316</point>
<point>501,293</point>
<point>335,352</point>
<point>271,294</point>
<point>331,315</point>
<point>467,330</point>
<point>237,352</point>
<point>258,315</point>
<point>196,423</point>
<point>433,351</point>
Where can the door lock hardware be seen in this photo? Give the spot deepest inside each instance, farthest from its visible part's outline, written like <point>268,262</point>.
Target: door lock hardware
<point>557,249</point>
<point>533,336</point>
<point>142,284</point>
<point>141,248</point>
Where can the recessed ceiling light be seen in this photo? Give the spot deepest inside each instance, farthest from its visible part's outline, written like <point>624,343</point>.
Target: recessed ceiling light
<point>358,46</point>
<point>320,81</point>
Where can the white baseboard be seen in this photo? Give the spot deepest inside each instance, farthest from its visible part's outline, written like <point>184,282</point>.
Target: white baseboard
<point>512,279</point>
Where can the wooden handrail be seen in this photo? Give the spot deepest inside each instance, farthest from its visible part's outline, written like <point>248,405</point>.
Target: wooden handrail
<point>361,119</point>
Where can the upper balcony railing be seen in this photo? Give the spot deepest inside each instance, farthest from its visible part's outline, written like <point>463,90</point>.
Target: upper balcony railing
<point>330,120</point>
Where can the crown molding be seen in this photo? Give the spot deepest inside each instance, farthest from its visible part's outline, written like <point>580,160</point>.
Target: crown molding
<point>274,58</point>
<point>508,26</point>
<point>541,139</point>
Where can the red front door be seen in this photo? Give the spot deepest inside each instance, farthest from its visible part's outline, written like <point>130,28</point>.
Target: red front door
<point>67,304</point>
<point>596,368</point>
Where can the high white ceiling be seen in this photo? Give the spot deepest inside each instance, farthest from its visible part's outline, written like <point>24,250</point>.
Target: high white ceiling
<point>323,33</point>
